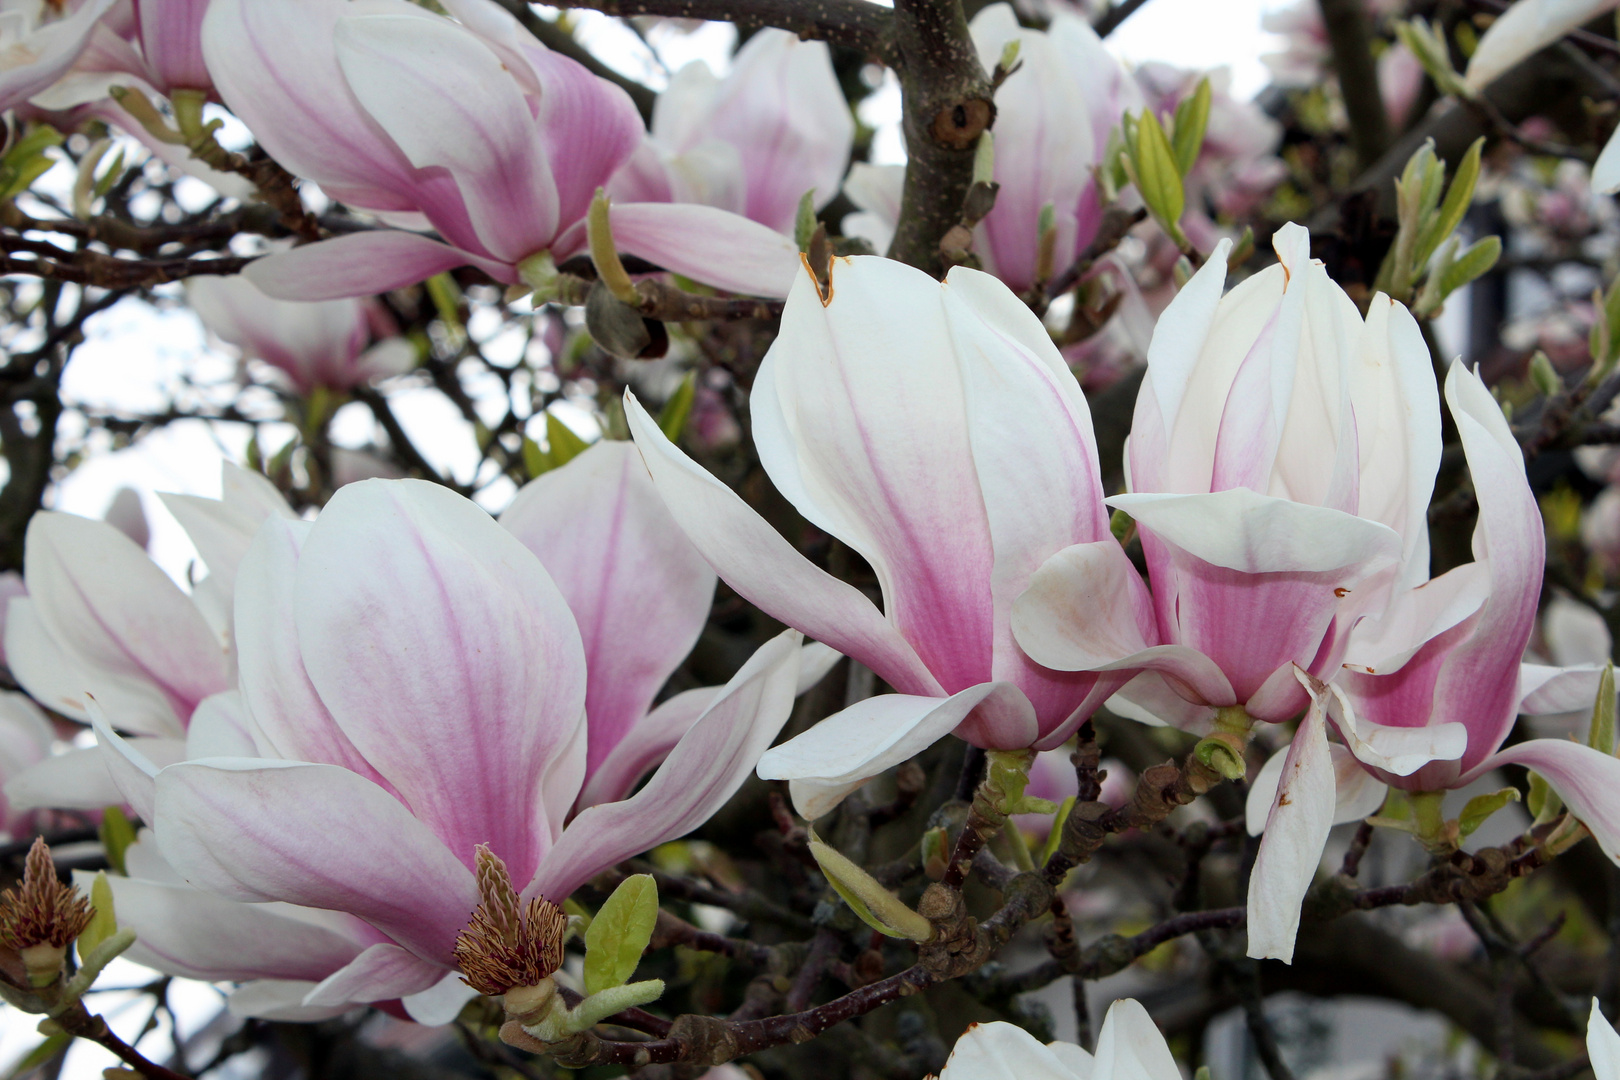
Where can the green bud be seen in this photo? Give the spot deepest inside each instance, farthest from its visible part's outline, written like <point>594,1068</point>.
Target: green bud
<point>1120,525</point>
<point>936,852</point>
<point>609,270</point>
<point>1543,802</point>
<point>1601,735</point>
<point>1009,55</point>
<point>804,222</point>
<point>984,159</point>
<point>1543,376</point>
<point>104,923</point>
<point>876,906</point>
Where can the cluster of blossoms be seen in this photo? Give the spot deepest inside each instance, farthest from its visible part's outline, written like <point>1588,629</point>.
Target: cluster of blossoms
<point>379,749</point>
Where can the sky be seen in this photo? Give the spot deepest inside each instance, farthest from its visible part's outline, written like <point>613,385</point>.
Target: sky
<point>135,356</point>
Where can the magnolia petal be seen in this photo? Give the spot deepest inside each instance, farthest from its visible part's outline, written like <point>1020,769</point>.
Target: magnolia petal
<point>638,589</point>
<point>1398,750</point>
<point>318,836</point>
<point>1296,832</point>
<point>279,999</point>
<point>1602,1045</point>
<point>725,250</point>
<point>1524,28</point>
<point>447,656</point>
<point>1546,691</point>
<point>850,747</point>
<point>1606,172</point>
<point>222,529</point>
<point>440,1003</point>
<point>47,53</point>
<point>1003,1051</point>
<point>647,742</point>
<point>766,570</point>
<point>1260,534</point>
<point>1149,698</point>
<point>1381,643</point>
<point>1131,1045</point>
<point>1085,608</point>
<point>196,935</point>
<point>362,264</point>
<point>381,973</point>
<point>1587,780</point>
<point>1357,792</point>
<point>221,727</point>
<point>705,769</point>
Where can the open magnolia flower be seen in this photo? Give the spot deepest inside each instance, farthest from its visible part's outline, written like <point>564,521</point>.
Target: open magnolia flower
<point>472,128</point>
<point>1129,1047</point>
<point>1444,657</point>
<point>753,142</point>
<point>1280,465</point>
<point>934,428</point>
<point>101,619</point>
<point>1602,1045</point>
<point>414,686</point>
<point>159,50</point>
<point>314,344</point>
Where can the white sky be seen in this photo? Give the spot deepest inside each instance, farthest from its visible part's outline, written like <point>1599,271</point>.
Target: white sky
<point>135,357</point>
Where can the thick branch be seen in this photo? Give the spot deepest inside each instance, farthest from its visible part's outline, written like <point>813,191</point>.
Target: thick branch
<point>855,23</point>
<point>107,272</point>
<point>559,40</point>
<point>1351,42</point>
<point>947,101</point>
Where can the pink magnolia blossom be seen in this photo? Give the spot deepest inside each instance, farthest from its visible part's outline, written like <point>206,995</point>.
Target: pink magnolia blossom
<point>101,619</point>
<point>933,428</point>
<point>39,41</point>
<point>753,142</point>
<point>314,344</point>
<point>1442,658</point>
<point>414,685</point>
<point>472,128</point>
<point>25,740</point>
<point>159,51</point>
<point>1279,465</point>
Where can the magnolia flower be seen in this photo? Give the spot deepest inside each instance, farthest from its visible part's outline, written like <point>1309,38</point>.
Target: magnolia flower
<point>1442,658</point>
<point>1129,1047</point>
<point>935,430</point>
<point>278,952</point>
<point>159,51</point>
<point>753,142</point>
<point>472,128</point>
<point>25,740</point>
<point>314,344</point>
<point>39,40</point>
<point>415,686</point>
<point>1053,118</point>
<point>101,619</point>
<point>1279,466</point>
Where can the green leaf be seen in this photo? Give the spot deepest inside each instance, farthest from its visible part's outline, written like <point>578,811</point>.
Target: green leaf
<point>1192,118</point>
<point>106,180</point>
<point>117,833</point>
<point>565,445</point>
<point>1543,376</point>
<point>1600,736</point>
<point>104,923</point>
<point>1157,178</point>
<point>619,933</point>
<point>535,460</point>
<point>1055,836</point>
<point>804,222</point>
<point>1476,261</point>
<point>1481,807</point>
<point>39,1055</point>
<point>1543,802</point>
<point>672,417</point>
<point>1459,197</point>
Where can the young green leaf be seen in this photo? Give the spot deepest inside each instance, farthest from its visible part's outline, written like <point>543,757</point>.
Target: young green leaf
<point>1157,177</point>
<point>1600,736</point>
<point>1192,118</point>
<point>1481,807</point>
<point>565,445</point>
<point>876,906</point>
<point>117,833</point>
<point>1458,198</point>
<point>1543,802</point>
<point>619,933</point>
<point>104,923</point>
<point>672,417</point>
<point>1475,262</point>
<point>535,459</point>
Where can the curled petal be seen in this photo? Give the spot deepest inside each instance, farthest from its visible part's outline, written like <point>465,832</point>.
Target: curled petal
<point>362,264</point>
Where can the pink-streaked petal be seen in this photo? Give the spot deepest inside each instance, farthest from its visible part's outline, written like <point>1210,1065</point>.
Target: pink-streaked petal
<point>279,999</point>
<point>103,600</point>
<point>766,570</point>
<point>705,769</point>
<point>1547,691</point>
<point>1382,643</point>
<point>79,779</point>
<point>285,708</point>
<point>133,764</point>
<point>1400,751</point>
<point>447,656</point>
<point>171,41</point>
<point>362,264</point>
<point>705,244</point>
<point>1295,834</point>
<point>1586,779</point>
<point>645,743</point>
<point>1151,698</point>
<point>1085,608</point>
<point>847,749</point>
<point>222,727</point>
<point>382,973</point>
<point>222,529</point>
<point>1040,495</point>
<point>638,589</point>
<point>861,427</point>
<point>57,678</point>
<point>445,99</point>
<point>310,342</point>
<point>197,935</point>
<point>317,836</point>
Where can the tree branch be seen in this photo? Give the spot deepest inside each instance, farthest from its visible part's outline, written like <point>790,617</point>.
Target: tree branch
<point>1351,43</point>
<point>855,23</point>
